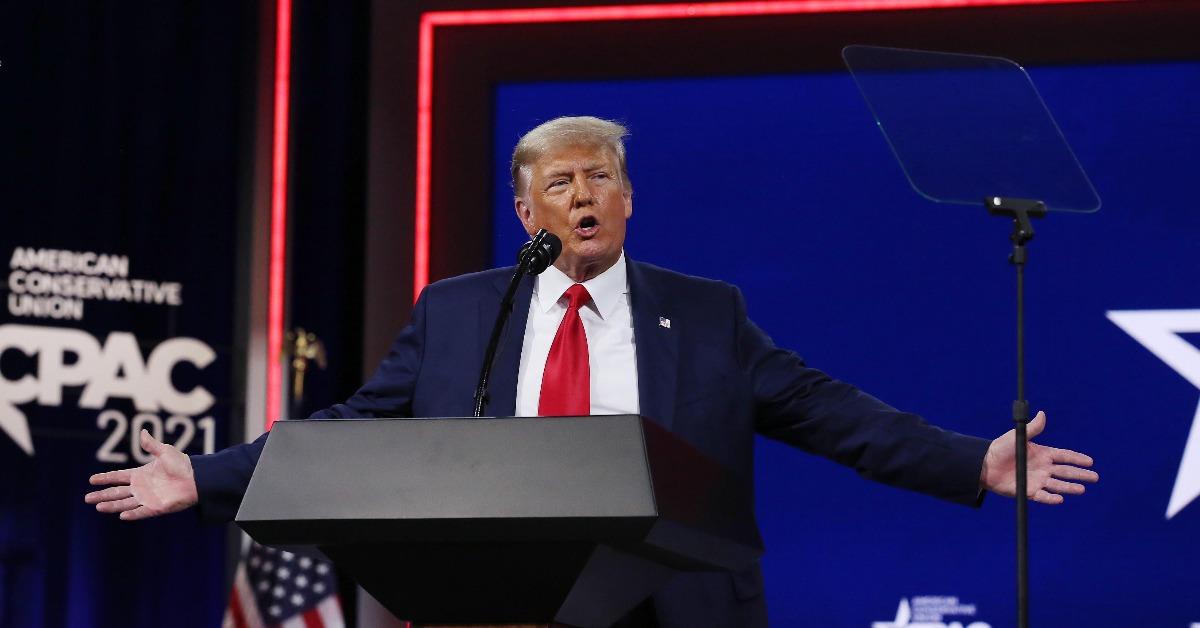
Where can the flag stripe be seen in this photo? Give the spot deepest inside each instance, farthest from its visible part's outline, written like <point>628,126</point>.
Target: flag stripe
<point>233,614</point>
<point>330,610</point>
<point>245,599</point>
<point>312,618</point>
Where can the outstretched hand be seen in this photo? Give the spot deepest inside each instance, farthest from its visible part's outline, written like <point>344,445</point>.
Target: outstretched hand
<point>1052,472</point>
<point>163,485</point>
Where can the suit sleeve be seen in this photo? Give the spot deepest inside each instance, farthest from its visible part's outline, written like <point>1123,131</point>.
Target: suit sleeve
<point>222,477</point>
<point>806,408</point>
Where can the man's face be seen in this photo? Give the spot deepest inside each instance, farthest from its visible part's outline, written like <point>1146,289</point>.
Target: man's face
<point>576,193</point>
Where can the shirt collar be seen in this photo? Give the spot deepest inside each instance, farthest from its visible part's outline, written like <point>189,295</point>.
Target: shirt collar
<point>606,289</point>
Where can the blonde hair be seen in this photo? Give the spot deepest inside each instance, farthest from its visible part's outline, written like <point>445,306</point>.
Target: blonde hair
<point>567,131</point>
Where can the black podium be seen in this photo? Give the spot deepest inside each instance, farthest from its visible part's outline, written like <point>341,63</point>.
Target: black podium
<point>573,519</point>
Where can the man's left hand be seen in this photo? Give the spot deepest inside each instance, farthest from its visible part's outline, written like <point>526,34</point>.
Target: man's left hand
<point>1052,472</point>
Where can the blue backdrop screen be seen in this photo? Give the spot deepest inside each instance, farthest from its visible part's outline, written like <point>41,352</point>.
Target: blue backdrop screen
<point>783,186</point>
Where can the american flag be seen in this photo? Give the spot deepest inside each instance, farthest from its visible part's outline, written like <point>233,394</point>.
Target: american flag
<point>274,587</point>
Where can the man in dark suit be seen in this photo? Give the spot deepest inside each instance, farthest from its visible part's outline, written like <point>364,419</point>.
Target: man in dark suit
<point>599,333</point>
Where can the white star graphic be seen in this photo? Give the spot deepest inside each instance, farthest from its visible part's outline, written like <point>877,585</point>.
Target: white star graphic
<point>903,617</point>
<point>1158,331</point>
<point>13,423</point>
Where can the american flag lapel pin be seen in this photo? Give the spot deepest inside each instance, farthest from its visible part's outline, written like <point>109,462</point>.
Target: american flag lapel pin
<point>664,322</point>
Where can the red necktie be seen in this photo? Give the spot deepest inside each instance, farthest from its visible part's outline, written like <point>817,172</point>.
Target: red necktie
<point>566,382</point>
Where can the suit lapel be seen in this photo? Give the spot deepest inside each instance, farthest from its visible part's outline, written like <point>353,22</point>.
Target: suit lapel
<point>657,346</point>
<point>502,390</point>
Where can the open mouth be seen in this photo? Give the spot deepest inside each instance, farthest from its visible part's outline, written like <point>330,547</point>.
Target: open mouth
<point>587,227</point>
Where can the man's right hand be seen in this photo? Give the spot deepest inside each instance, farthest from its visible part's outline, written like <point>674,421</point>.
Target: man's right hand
<point>161,486</point>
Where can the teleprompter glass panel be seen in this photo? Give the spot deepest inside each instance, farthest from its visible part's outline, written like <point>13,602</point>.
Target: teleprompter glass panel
<point>965,127</point>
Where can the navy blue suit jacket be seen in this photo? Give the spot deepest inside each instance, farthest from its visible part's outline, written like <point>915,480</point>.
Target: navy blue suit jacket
<point>712,377</point>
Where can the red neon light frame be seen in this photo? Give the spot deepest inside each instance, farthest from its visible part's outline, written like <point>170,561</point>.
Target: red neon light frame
<point>279,187</point>
<point>629,12</point>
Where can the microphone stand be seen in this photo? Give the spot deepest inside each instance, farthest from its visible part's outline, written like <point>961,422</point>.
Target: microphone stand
<point>489,357</point>
<point>1020,211</point>
<point>534,257</point>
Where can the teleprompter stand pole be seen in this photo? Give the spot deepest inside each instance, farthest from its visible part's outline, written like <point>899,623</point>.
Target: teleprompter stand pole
<point>1021,211</point>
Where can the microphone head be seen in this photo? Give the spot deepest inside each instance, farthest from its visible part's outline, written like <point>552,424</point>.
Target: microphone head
<point>539,253</point>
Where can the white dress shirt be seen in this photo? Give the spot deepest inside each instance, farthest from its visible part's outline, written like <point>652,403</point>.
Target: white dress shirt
<point>608,323</point>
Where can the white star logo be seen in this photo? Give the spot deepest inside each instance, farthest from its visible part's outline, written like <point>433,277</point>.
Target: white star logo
<point>903,617</point>
<point>1158,331</point>
<point>13,423</point>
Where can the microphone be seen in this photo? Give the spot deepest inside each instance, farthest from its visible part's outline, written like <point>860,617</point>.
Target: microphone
<point>539,253</point>
<point>535,257</point>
